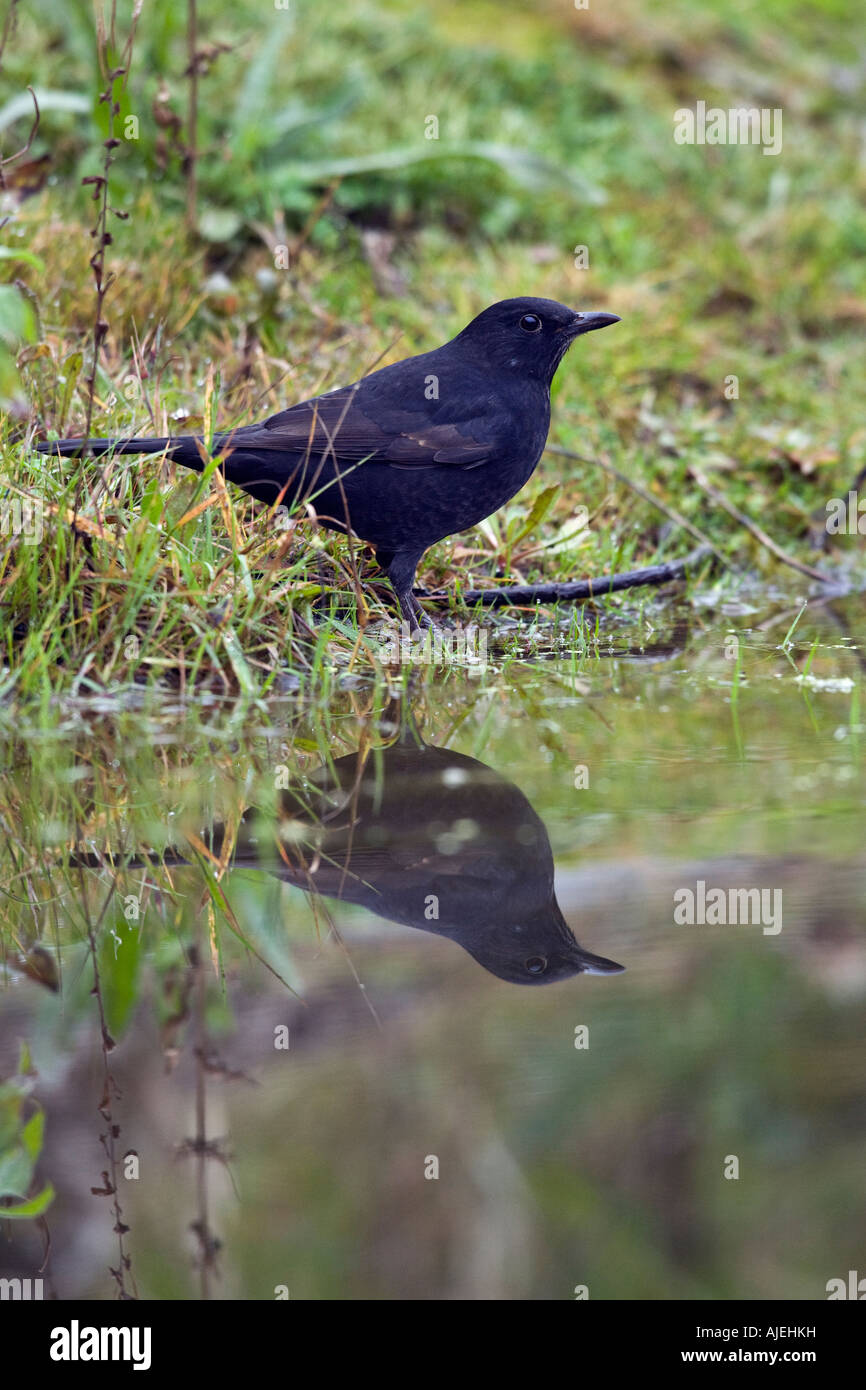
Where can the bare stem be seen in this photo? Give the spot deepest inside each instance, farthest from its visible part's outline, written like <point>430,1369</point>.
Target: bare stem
<point>111,1133</point>
<point>192,115</point>
<point>201,1150</point>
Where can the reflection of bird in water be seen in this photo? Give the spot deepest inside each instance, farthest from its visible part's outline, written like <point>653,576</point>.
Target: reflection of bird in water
<point>424,837</point>
<point>431,839</point>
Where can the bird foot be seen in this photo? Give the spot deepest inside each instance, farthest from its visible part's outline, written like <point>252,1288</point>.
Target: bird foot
<point>413,613</point>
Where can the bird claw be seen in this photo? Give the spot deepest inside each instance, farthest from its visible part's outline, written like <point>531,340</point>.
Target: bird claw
<point>414,614</point>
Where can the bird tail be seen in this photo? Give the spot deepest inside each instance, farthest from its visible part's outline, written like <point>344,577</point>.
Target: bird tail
<point>183,448</point>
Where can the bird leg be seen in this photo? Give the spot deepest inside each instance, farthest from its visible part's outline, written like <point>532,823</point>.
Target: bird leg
<point>400,568</point>
<point>413,613</point>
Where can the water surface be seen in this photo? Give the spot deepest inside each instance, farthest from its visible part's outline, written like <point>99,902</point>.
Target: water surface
<point>366,1032</point>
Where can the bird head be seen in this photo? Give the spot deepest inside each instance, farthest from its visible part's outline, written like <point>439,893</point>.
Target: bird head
<point>529,336</point>
<point>538,948</point>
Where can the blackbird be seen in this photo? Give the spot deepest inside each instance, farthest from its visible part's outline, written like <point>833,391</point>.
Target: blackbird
<point>411,453</point>
<point>437,840</point>
<point>425,837</point>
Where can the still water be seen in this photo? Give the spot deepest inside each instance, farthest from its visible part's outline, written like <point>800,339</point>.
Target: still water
<point>537,981</point>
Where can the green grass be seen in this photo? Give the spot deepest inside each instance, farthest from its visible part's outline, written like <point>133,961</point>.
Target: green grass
<point>555,131</point>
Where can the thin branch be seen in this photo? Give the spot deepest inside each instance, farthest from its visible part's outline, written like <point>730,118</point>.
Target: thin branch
<point>755,530</point>
<point>575,590</point>
<point>641,491</point>
<point>192,117</point>
<point>105,43</point>
<point>10,159</point>
<point>203,1222</point>
<point>110,1094</point>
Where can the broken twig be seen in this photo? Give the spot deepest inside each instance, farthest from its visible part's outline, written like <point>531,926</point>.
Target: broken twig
<point>676,517</point>
<point>755,530</point>
<point>575,590</point>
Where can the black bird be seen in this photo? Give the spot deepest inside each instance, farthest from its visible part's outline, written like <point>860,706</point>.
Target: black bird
<point>411,453</point>
<point>421,836</point>
<point>436,840</point>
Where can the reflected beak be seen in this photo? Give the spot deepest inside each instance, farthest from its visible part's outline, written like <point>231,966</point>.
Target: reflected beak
<point>586,323</point>
<point>585,960</point>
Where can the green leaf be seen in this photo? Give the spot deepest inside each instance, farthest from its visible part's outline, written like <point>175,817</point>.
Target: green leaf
<point>10,1109</point>
<point>220,901</point>
<point>72,367</point>
<point>74,102</point>
<point>239,665</point>
<point>541,509</point>
<point>32,1134</point>
<point>35,1206</point>
<point>17,320</point>
<point>9,253</point>
<point>219,224</point>
<point>255,96</point>
<point>119,960</point>
<point>528,169</point>
<point>16,1172</point>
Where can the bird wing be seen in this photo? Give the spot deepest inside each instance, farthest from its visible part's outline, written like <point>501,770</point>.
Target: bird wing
<point>349,427</point>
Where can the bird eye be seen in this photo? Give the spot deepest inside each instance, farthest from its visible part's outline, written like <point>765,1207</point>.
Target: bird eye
<point>536,965</point>
<point>530,323</point>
